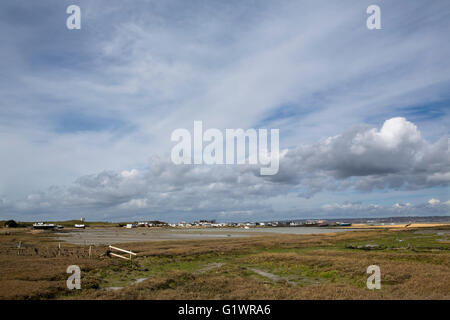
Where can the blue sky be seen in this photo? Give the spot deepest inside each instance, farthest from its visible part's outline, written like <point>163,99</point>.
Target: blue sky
<point>82,106</point>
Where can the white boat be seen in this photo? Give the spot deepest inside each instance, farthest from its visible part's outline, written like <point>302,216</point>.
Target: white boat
<point>80,226</point>
<point>43,225</point>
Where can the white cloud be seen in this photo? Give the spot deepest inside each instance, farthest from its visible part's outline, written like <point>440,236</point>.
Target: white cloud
<point>434,201</point>
<point>129,174</point>
<point>401,205</point>
<point>364,158</point>
<point>134,204</point>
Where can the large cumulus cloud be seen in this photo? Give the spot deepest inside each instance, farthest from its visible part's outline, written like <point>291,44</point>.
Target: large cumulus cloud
<point>364,158</point>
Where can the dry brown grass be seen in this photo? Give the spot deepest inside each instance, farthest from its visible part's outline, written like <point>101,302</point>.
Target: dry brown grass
<point>320,264</point>
<point>39,271</point>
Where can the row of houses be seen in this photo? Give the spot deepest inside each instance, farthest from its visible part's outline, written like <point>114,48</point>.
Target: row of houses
<point>214,224</point>
<point>201,224</point>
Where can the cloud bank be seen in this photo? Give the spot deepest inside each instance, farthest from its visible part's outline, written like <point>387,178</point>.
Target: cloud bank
<point>363,159</point>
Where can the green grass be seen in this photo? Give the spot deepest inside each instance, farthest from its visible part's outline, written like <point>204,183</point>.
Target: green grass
<point>152,266</point>
<point>406,239</point>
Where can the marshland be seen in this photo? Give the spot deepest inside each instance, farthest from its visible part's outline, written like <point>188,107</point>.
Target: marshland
<point>414,264</point>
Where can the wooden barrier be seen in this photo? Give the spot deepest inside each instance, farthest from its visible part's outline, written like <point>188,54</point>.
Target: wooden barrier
<point>121,250</point>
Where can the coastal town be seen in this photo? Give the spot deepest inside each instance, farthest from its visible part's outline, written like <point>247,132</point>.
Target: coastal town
<point>245,225</point>
<point>200,224</point>
<point>204,224</point>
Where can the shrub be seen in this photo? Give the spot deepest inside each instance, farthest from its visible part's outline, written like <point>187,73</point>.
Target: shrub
<point>11,224</point>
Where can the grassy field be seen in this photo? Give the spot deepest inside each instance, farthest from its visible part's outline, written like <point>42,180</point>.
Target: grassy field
<point>414,263</point>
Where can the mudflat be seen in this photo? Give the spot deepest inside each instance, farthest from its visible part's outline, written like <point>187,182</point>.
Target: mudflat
<point>106,236</point>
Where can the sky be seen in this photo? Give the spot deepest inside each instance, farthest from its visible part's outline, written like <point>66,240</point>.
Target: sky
<point>86,115</point>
